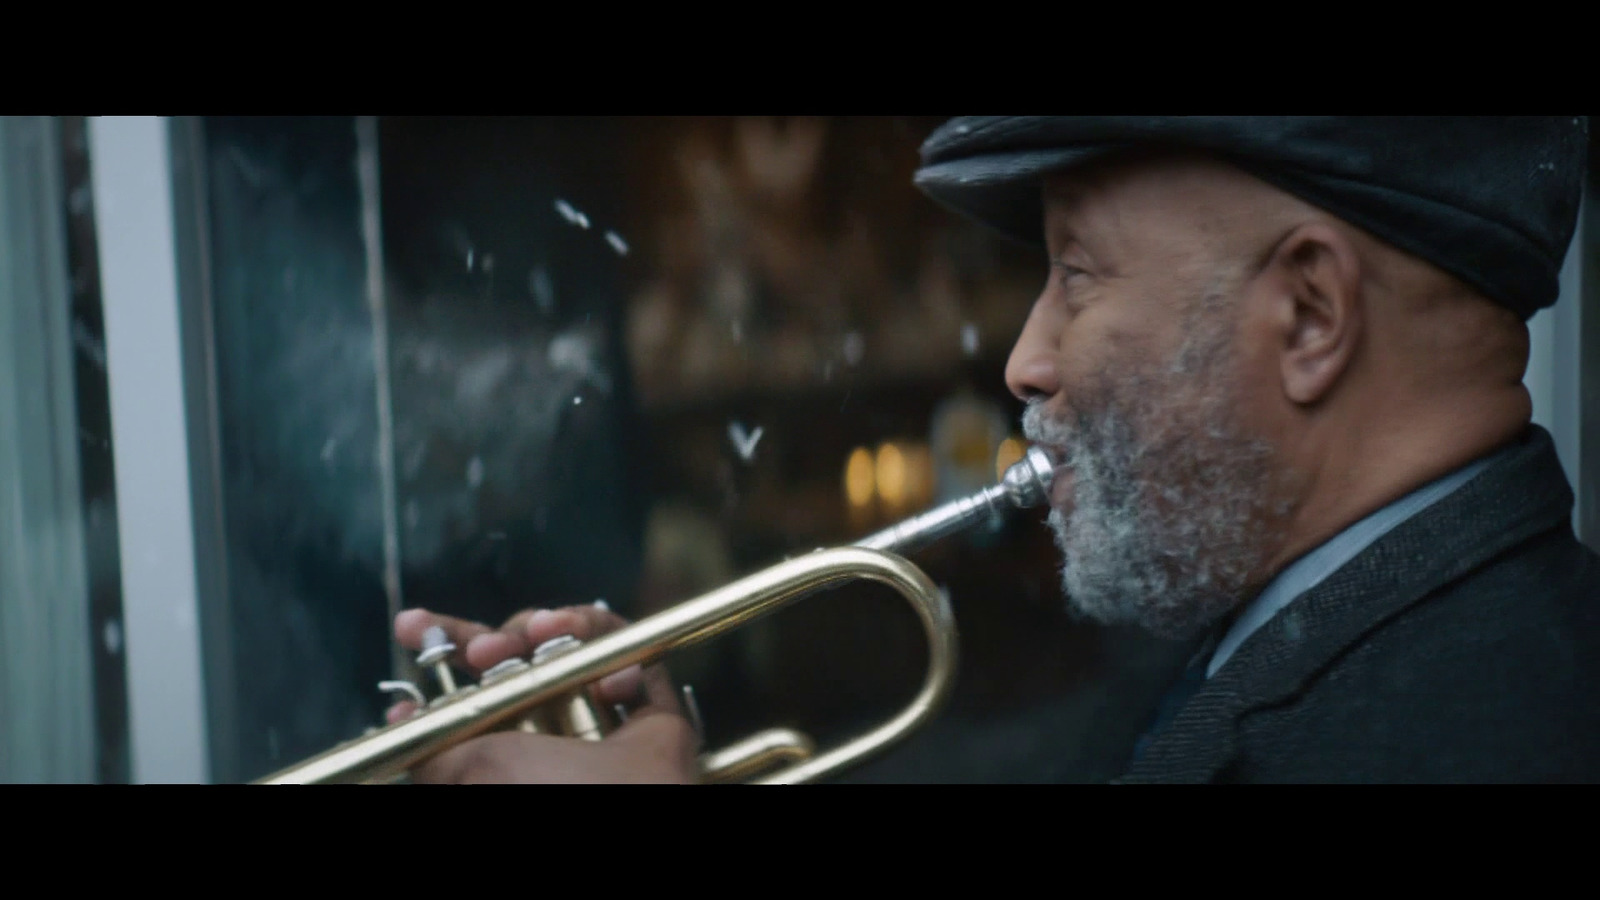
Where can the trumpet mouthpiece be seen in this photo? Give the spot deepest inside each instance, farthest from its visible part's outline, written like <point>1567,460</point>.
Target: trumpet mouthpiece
<point>1027,481</point>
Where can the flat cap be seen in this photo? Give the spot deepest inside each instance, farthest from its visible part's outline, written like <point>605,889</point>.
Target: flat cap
<point>1492,200</point>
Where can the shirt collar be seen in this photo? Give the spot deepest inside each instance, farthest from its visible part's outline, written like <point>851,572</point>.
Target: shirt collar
<point>1309,570</point>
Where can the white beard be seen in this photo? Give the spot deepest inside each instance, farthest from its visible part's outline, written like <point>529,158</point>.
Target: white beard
<point>1170,496</point>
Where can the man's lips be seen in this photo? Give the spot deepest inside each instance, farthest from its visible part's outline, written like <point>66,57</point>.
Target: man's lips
<point>1061,480</point>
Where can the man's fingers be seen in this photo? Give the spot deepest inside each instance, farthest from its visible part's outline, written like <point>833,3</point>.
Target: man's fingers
<point>410,625</point>
<point>400,711</point>
<point>648,688</point>
<point>582,622</point>
<point>464,764</point>
<point>624,686</point>
<point>518,624</point>
<point>660,693</point>
<point>532,625</point>
<point>479,647</point>
<point>670,739</point>
<point>654,749</point>
<point>487,650</point>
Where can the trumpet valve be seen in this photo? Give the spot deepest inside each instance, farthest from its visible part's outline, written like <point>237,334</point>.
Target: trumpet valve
<point>436,650</point>
<point>576,714</point>
<point>410,691</point>
<point>505,669</point>
<point>555,647</point>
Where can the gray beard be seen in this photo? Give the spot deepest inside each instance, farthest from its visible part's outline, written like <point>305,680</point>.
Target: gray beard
<point>1172,499</point>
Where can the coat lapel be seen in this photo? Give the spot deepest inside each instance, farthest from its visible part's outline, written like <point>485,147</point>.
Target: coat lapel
<point>1518,496</point>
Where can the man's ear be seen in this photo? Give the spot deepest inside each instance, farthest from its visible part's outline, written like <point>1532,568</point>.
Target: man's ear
<point>1318,318</point>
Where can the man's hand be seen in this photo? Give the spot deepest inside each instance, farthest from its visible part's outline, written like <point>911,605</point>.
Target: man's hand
<point>656,744</point>
<point>650,748</point>
<point>479,647</point>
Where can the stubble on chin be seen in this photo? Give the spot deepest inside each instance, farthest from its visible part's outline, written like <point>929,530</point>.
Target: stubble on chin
<point>1171,501</point>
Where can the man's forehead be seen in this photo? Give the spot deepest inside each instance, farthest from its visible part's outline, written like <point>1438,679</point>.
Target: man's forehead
<point>1074,195</point>
<point>1095,194</point>
<point>1064,190</point>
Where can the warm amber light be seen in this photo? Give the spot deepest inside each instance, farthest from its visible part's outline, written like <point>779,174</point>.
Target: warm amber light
<point>891,475</point>
<point>919,474</point>
<point>1011,450</point>
<point>858,483</point>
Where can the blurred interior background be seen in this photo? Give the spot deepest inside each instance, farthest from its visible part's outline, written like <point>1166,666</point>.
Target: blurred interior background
<point>481,364</point>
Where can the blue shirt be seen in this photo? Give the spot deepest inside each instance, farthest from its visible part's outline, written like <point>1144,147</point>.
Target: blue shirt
<point>1309,570</point>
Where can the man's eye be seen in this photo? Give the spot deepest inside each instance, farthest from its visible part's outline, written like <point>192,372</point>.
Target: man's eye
<point>1067,271</point>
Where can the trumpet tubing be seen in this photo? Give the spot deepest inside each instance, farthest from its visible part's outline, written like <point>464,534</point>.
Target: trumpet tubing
<point>550,693</point>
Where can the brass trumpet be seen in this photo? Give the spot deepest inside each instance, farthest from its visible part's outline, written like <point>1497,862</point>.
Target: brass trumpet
<point>550,692</point>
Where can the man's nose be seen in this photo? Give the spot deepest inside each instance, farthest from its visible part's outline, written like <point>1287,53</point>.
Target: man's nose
<point>1033,371</point>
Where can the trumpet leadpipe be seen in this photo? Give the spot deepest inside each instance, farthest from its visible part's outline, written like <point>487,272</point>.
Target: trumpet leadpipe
<point>1026,484</point>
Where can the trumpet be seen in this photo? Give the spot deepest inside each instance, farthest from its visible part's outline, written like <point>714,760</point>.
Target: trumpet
<point>552,691</point>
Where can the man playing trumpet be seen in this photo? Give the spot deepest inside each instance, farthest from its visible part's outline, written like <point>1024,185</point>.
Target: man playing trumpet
<point>1279,364</point>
